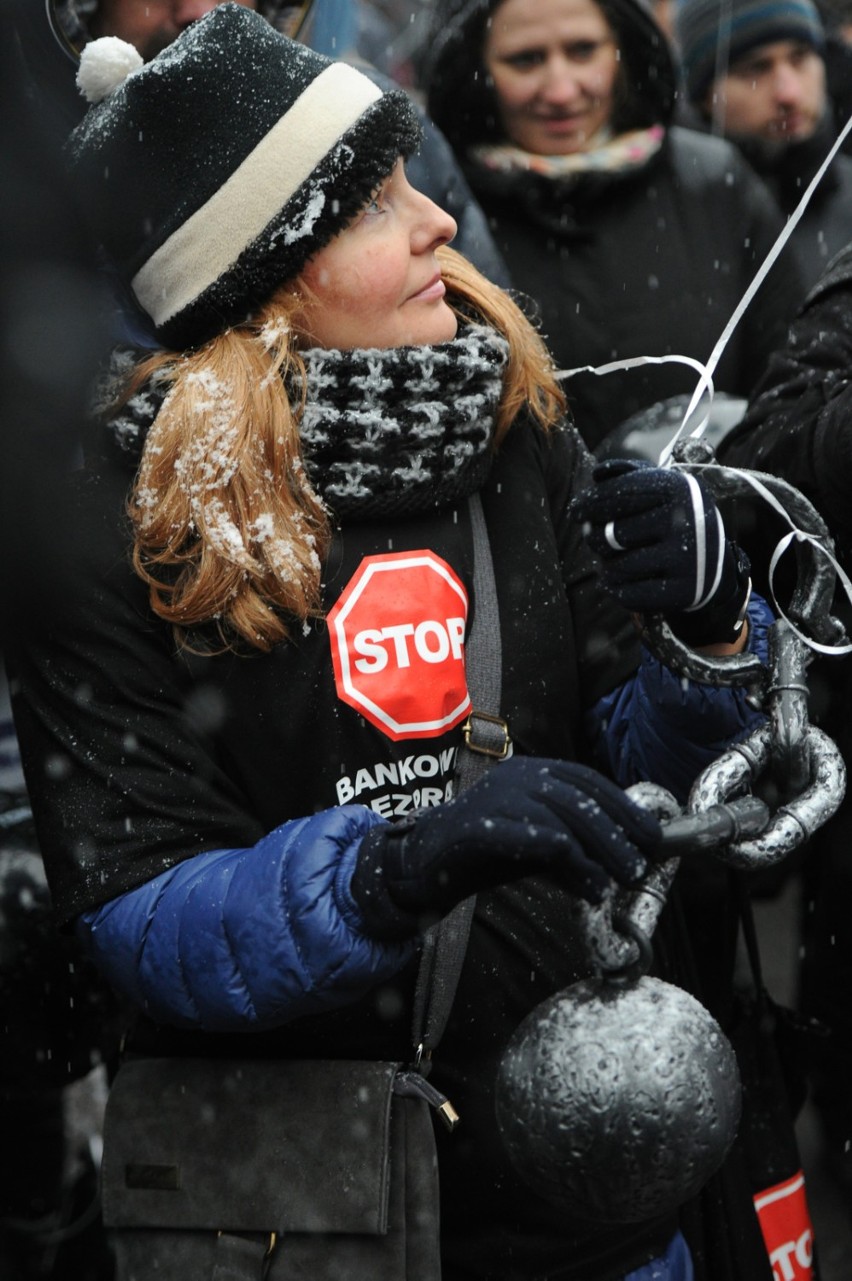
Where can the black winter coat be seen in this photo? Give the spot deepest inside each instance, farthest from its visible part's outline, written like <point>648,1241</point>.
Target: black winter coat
<point>223,771</point>
<point>798,426</point>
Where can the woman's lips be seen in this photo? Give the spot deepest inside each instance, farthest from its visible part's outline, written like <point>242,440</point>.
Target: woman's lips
<point>561,124</point>
<point>431,292</point>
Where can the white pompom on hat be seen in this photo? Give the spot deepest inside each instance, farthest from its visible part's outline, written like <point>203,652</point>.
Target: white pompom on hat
<point>104,65</point>
<point>212,173</point>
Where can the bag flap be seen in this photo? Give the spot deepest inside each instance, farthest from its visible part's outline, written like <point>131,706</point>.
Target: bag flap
<point>252,1146</point>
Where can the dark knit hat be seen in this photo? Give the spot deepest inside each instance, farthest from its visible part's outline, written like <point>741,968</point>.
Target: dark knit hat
<point>705,28</point>
<point>214,172</point>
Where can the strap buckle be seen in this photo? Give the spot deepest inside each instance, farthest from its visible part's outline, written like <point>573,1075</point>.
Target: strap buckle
<point>486,734</point>
<point>241,1250</point>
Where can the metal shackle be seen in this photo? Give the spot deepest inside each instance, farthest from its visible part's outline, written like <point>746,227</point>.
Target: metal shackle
<point>609,940</point>
<point>796,819</point>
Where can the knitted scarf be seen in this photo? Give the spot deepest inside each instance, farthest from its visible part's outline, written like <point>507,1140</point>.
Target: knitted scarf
<point>612,155</point>
<point>385,432</point>
<point>388,433</point>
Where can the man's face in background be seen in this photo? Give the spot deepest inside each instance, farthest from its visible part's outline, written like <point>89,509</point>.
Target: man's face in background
<point>775,92</point>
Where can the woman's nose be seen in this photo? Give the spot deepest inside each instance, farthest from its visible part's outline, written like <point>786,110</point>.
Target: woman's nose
<point>434,226</point>
<point>559,83</point>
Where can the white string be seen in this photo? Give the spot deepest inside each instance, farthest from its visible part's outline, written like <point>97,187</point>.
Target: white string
<point>720,558</point>
<point>700,539</point>
<point>634,362</point>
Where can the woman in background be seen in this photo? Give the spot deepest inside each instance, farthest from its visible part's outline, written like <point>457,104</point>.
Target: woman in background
<point>631,236</point>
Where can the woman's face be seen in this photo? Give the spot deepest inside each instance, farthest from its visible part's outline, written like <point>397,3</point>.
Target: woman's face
<point>554,64</point>
<point>378,283</point>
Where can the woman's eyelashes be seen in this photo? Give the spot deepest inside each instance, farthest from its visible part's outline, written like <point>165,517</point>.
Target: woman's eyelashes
<point>378,202</point>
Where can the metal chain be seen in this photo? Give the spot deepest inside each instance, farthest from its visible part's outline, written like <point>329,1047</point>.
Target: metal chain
<point>766,796</point>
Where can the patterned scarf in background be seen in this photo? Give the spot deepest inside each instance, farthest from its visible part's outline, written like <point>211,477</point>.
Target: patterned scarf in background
<point>613,155</point>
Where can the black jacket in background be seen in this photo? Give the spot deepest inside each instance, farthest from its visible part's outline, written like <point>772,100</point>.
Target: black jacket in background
<point>650,263</point>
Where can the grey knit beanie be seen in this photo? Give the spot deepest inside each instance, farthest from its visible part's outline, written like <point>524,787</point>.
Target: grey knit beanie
<point>735,27</point>
<point>212,173</point>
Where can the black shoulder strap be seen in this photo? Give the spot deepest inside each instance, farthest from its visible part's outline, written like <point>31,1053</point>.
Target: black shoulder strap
<point>444,945</point>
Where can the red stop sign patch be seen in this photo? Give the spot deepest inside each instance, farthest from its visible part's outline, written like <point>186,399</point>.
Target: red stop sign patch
<point>397,644</point>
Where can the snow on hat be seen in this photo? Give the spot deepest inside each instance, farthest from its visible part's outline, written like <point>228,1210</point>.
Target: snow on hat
<point>212,173</point>
<point>703,26</point>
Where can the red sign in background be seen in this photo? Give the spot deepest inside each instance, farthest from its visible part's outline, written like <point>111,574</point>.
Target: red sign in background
<point>787,1230</point>
<point>397,644</point>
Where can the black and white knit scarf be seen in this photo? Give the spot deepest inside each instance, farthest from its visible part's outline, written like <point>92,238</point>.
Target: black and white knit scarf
<point>385,433</point>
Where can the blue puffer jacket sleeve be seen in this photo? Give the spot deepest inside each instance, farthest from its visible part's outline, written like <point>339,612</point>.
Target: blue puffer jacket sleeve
<point>661,727</point>
<point>246,939</point>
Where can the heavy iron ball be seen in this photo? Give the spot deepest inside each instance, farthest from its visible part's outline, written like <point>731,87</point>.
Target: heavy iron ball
<point>618,1102</point>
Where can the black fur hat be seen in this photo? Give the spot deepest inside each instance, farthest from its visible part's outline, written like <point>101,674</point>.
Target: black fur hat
<point>212,174</point>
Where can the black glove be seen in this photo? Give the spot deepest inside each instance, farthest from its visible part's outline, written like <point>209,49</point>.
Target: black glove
<point>525,816</point>
<point>664,550</point>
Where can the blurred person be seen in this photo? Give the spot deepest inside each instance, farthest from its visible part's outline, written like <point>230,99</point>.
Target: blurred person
<point>352,29</point>
<point>798,427</point>
<point>149,25</point>
<point>756,74</point>
<point>242,845</point>
<point>336,28</point>
<point>632,236</point>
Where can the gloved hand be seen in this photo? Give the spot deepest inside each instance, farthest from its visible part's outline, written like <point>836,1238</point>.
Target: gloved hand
<point>664,550</point>
<point>525,816</point>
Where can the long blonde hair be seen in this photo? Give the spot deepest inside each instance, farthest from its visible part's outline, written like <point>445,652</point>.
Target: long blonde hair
<point>228,531</point>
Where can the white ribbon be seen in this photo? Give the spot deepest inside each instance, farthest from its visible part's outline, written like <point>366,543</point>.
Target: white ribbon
<point>609,536</point>
<point>634,362</point>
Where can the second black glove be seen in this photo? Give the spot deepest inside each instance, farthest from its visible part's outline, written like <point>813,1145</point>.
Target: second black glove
<point>664,549</point>
<point>527,815</point>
